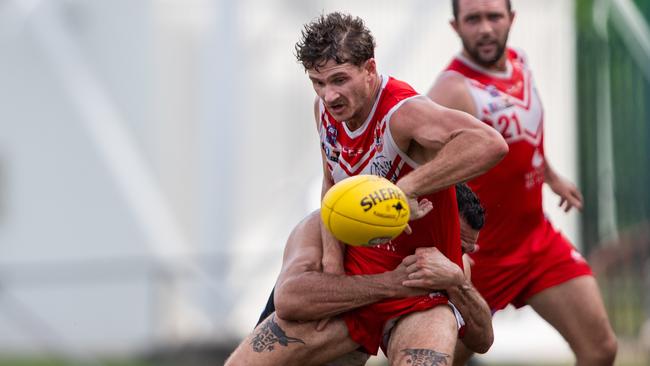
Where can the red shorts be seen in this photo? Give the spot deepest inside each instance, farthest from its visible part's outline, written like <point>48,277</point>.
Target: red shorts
<point>544,260</point>
<point>366,324</point>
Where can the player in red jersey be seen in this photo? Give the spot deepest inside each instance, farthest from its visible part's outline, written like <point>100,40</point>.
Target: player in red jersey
<point>374,124</point>
<point>307,293</point>
<point>522,258</point>
<point>371,123</point>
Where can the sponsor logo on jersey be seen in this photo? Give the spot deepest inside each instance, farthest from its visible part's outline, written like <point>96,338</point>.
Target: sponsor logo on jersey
<point>352,152</point>
<point>500,104</point>
<point>331,154</point>
<point>534,178</point>
<point>381,166</point>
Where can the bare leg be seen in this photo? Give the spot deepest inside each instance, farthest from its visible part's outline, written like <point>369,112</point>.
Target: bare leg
<point>462,354</point>
<point>424,338</point>
<point>576,310</point>
<point>280,342</point>
<point>355,358</point>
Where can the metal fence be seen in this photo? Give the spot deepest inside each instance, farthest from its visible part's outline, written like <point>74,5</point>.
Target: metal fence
<point>613,94</point>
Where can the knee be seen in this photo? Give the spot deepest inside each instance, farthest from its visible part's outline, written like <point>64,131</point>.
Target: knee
<point>608,349</point>
<point>602,352</point>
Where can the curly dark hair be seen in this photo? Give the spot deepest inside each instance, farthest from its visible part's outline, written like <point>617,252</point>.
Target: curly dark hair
<point>335,36</point>
<point>469,206</point>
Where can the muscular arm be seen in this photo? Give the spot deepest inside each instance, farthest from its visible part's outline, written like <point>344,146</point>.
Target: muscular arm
<point>479,335</point>
<point>425,269</point>
<point>451,145</point>
<point>333,250</point>
<point>304,292</point>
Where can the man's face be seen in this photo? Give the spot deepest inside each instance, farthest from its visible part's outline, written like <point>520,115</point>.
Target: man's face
<point>468,237</point>
<point>345,88</point>
<point>483,26</point>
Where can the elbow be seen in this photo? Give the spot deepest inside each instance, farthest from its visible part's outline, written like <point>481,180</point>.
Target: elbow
<point>290,305</point>
<point>292,312</point>
<point>285,305</point>
<point>485,344</point>
<point>499,146</point>
<point>495,148</point>
<point>284,310</point>
<point>480,344</point>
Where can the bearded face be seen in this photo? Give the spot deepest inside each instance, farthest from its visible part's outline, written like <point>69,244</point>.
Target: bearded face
<point>483,26</point>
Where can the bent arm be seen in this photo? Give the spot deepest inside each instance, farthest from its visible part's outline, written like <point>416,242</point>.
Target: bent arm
<point>429,268</point>
<point>333,250</point>
<point>451,146</point>
<point>479,335</point>
<point>304,292</point>
<point>444,135</point>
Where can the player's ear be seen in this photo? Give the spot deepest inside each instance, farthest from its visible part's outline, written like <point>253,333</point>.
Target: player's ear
<point>454,24</point>
<point>370,66</point>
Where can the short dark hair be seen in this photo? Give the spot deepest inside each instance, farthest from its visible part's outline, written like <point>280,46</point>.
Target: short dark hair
<point>469,206</point>
<point>335,36</point>
<point>454,7</point>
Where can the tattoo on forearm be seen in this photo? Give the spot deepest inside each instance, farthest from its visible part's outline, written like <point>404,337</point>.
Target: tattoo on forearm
<point>269,334</point>
<point>425,357</point>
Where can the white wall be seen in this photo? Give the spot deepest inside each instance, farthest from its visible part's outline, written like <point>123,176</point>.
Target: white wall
<point>220,113</point>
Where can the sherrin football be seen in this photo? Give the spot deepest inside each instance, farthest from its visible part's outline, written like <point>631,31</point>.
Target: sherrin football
<point>365,210</point>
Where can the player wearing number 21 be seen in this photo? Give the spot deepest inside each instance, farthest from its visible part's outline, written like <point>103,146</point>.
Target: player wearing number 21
<point>522,259</point>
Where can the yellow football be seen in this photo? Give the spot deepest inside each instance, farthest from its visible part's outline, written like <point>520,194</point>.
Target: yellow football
<point>365,210</point>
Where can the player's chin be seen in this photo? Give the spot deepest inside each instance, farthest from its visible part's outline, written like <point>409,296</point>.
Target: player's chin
<point>488,58</point>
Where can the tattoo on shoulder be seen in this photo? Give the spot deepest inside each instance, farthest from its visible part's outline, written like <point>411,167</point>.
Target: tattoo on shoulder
<point>269,334</point>
<point>425,357</point>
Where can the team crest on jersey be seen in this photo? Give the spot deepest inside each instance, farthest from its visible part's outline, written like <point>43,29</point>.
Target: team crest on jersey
<point>331,135</point>
<point>379,141</point>
<point>493,90</point>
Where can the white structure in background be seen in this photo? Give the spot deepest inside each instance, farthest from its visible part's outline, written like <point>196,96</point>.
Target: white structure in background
<point>156,154</point>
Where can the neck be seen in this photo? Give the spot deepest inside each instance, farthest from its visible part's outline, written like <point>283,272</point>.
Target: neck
<point>357,121</point>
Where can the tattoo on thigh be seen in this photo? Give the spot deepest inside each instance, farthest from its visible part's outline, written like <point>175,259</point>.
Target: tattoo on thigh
<point>425,357</point>
<point>269,334</point>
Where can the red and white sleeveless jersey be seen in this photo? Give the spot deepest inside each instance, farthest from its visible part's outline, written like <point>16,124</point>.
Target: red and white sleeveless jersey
<point>370,149</point>
<point>511,192</point>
